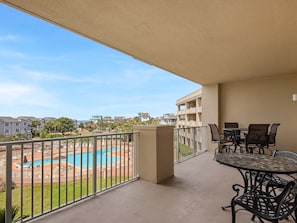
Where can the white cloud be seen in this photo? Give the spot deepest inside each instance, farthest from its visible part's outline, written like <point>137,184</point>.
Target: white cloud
<point>21,96</point>
<point>9,38</point>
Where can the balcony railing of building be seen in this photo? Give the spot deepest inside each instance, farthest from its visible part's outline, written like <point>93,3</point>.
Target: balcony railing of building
<point>189,142</point>
<point>42,176</point>
<point>46,175</point>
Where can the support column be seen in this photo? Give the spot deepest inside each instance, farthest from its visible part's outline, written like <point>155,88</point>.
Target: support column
<point>155,152</point>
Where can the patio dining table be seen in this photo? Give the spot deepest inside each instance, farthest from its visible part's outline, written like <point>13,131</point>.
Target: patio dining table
<point>255,168</point>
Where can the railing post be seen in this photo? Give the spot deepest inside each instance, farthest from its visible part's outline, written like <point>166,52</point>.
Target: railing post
<point>177,146</point>
<point>155,154</point>
<point>8,208</point>
<point>95,166</point>
<point>195,139</point>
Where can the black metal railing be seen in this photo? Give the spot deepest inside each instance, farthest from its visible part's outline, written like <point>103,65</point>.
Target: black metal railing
<point>44,175</point>
<point>188,142</point>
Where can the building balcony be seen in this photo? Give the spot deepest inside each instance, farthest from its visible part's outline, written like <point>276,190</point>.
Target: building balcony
<point>181,112</point>
<point>191,110</point>
<point>194,194</point>
<point>53,174</point>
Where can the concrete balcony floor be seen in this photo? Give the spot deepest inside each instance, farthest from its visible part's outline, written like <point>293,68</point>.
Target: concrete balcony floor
<point>195,194</point>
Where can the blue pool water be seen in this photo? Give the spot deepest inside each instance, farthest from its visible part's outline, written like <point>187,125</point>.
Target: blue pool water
<point>87,159</point>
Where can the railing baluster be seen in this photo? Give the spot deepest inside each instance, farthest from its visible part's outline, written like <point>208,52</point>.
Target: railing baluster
<point>51,180</point>
<point>32,181</point>
<point>59,179</point>
<point>110,164</point>
<point>8,188</point>
<point>48,184</point>
<point>22,182</point>
<point>74,167</point>
<point>88,150</point>
<point>116,159</point>
<point>66,197</point>
<point>81,166</point>
<point>95,166</point>
<point>101,164</point>
<point>106,174</point>
<point>42,177</point>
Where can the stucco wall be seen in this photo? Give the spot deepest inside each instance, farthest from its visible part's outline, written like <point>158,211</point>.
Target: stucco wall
<point>266,100</point>
<point>210,108</point>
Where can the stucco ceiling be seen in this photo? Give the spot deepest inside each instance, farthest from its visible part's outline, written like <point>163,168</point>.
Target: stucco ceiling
<point>206,41</point>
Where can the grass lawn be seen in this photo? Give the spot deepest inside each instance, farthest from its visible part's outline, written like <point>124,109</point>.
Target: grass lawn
<point>184,151</point>
<point>67,193</point>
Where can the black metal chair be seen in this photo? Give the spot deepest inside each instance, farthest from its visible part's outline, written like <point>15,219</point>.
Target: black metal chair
<point>218,138</point>
<point>228,125</point>
<point>234,135</point>
<point>272,135</point>
<point>267,207</point>
<point>257,137</point>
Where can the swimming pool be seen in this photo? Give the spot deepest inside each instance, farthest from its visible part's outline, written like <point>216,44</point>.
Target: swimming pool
<point>84,160</point>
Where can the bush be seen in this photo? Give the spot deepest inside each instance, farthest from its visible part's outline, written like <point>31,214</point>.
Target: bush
<point>15,218</point>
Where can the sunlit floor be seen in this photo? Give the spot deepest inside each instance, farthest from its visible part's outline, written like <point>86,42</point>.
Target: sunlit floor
<point>196,193</point>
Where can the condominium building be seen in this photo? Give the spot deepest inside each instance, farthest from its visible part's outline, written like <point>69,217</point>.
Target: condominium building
<point>167,119</point>
<point>189,110</point>
<point>11,126</point>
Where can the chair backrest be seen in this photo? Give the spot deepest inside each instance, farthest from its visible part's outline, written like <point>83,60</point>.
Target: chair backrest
<point>285,154</point>
<point>215,134</point>
<point>268,207</point>
<point>272,134</point>
<point>257,134</point>
<point>234,134</point>
<point>231,125</point>
<point>287,201</point>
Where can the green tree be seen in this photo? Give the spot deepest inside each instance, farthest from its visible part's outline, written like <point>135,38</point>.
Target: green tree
<point>34,126</point>
<point>64,125</point>
<point>81,125</point>
<point>60,125</point>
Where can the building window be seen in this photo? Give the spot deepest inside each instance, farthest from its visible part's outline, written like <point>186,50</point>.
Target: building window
<point>6,124</point>
<point>17,130</point>
<point>17,124</point>
<point>6,131</point>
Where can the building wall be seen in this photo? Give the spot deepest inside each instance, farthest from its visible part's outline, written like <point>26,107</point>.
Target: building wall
<point>189,110</point>
<point>266,100</point>
<point>210,108</point>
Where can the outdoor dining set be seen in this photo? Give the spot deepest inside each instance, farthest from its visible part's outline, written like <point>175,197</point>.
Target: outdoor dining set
<point>269,188</point>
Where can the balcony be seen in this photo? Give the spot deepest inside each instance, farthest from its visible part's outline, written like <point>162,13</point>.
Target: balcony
<point>54,174</point>
<point>194,194</point>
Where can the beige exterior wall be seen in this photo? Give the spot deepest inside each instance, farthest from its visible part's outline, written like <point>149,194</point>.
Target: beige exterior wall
<point>210,107</point>
<point>266,100</point>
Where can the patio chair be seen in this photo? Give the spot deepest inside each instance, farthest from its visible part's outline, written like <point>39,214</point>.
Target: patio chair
<point>218,138</point>
<point>234,135</point>
<point>256,137</point>
<point>267,207</point>
<point>272,135</point>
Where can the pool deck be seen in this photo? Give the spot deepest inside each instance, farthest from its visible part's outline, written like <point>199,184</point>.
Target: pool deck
<point>52,172</point>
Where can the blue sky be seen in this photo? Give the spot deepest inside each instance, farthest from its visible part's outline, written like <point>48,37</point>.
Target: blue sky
<point>47,71</point>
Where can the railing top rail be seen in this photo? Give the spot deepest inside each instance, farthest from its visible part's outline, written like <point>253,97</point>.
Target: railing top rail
<point>63,138</point>
<point>203,126</point>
